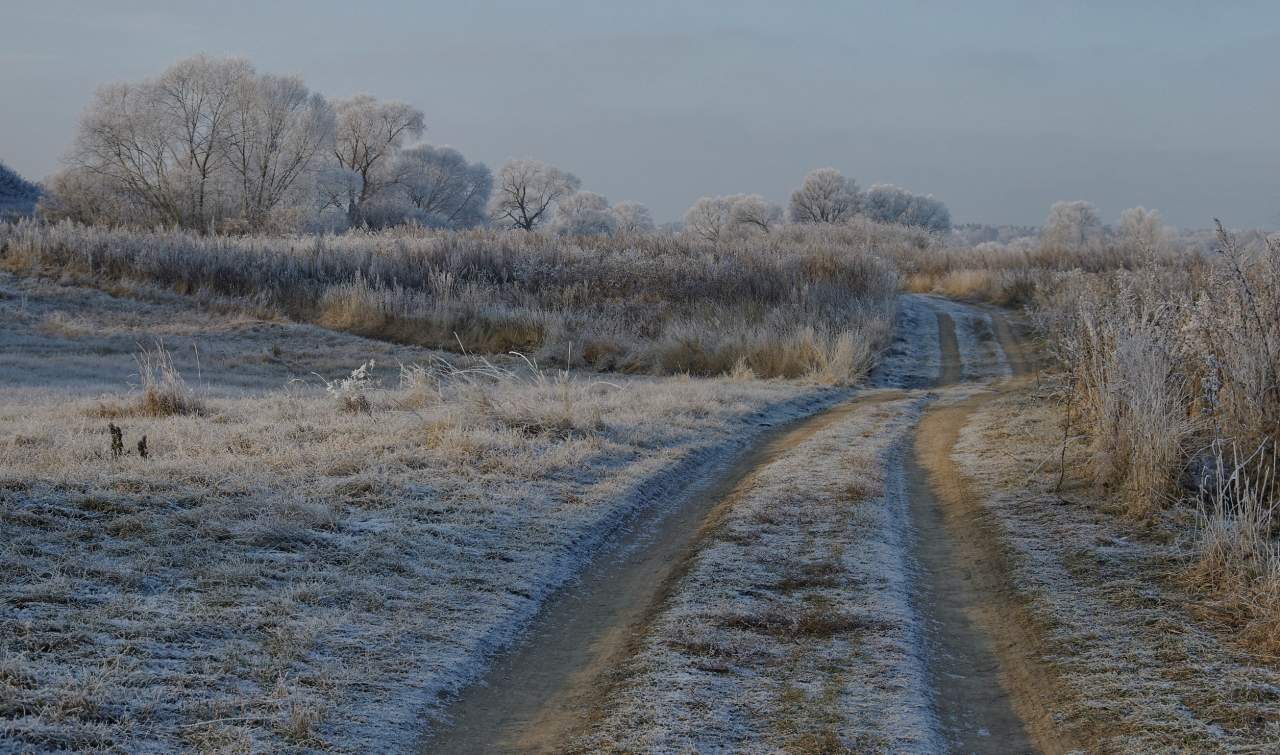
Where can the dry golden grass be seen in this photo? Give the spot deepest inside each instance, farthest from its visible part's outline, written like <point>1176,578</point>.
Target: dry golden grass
<point>1145,660</point>
<point>280,572</point>
<point>803,301</point>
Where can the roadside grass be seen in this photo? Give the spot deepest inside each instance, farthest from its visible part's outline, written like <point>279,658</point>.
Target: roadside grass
<point>281,572</point>
<point>1174,378</point>
<point>1145,660</point>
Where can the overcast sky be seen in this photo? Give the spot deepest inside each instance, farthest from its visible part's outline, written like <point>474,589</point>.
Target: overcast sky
<point>997,107</point>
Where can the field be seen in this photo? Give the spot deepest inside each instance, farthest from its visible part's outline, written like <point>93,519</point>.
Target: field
<point>826,489</point>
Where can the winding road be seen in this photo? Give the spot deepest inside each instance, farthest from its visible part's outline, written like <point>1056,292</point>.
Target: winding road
<point>543,693</point>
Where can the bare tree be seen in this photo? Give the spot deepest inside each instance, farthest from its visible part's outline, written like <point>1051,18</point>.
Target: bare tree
<point>633,217</point>
<point>754,211</point>
<point>278,129</point>
<point>826,196</point>
<point>731,217</point>
<point>1143,229</point>
<point>526,192</point>
<point>194,100</point>
<point>368,135</point>
<point>207,140</point>
<point>584,213</point>
<point>928,213</point>
<point>709,218</point>
<point>885,203</point>
<point>444,189</point>
<point>1072,225</point>
<point>124,143</point>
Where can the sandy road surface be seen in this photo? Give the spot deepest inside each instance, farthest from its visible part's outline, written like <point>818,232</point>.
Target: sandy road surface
<point>568,676</point>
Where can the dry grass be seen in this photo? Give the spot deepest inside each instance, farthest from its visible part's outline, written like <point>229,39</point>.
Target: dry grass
<point>1237,556</point>
<point>281,568</point>
<point>1165,368</point>
<point>1007,288</point>
<point>1142,664</point>
<point>282,573</point>
<point>163,391</point>
<point>807,301</point>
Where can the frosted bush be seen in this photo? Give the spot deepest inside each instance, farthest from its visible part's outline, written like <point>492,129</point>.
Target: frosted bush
<point>352,392</point>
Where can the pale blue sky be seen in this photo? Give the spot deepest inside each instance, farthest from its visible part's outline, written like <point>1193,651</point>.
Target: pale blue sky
<point>997,107</point>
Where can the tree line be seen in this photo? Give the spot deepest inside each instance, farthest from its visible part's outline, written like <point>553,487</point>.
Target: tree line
<point>213,145</point>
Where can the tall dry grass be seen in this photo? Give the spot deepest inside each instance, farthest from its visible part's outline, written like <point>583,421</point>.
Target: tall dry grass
<point>1169,370</point>
<point>798,302</point>
<point>1238,558</point>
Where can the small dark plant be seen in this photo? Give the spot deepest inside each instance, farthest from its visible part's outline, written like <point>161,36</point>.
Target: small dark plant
<point>117,440</point>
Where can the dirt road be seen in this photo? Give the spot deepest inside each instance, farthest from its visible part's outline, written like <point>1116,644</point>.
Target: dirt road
<point>558,685</point>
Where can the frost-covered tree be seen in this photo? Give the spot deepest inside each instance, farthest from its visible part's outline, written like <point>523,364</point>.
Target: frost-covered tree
<point>754,211</point>
<point>1142,229</point>
<point>885,203</point>
<point>1072,225</point>
<point>632,217</point>
<point>584,213</point>
<point>709,218</point>
<point>278,128</point>
<point>197,98</point>
<point>94,199</point>
<point>163,141</point>
<point>731,217</point>
<point>826,196</point>
<point>928,213</point>
<point>526,192</point>
<point>207,144</point>
<point>442,189</point>
<point>369,134</point>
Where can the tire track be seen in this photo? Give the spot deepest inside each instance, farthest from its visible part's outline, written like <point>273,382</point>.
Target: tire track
<point>546,691</point>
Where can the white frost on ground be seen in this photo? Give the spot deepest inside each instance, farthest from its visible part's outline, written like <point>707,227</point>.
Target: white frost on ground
<point>281,574</point>
<point>1141,673</point>
<point>793,628</point>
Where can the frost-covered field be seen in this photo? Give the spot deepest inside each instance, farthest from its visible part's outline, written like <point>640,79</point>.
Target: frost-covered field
<point>1140,664</point>
<point>287,569</point>
<point>793,629</point>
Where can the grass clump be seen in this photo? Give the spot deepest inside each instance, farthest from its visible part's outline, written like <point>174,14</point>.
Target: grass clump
<point>164,392</point>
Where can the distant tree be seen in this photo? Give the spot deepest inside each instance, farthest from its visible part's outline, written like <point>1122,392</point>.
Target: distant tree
<point>369,134</point>
<point>584,213</point>
<point>1142,229</point>
<point>162,141</point>
<point>754,211</point>
<point>632,217</point>
<point>731,217</point>
<point>526,192</point>
<point>709,218</point>
<point>207,143</point>
<point>1072,225</point>
<point>885,203</point>
<point>442,188</point>
<point>826,196</point>
<point>195,100</point>
<point>278,128</point>
<point>928,213</point>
